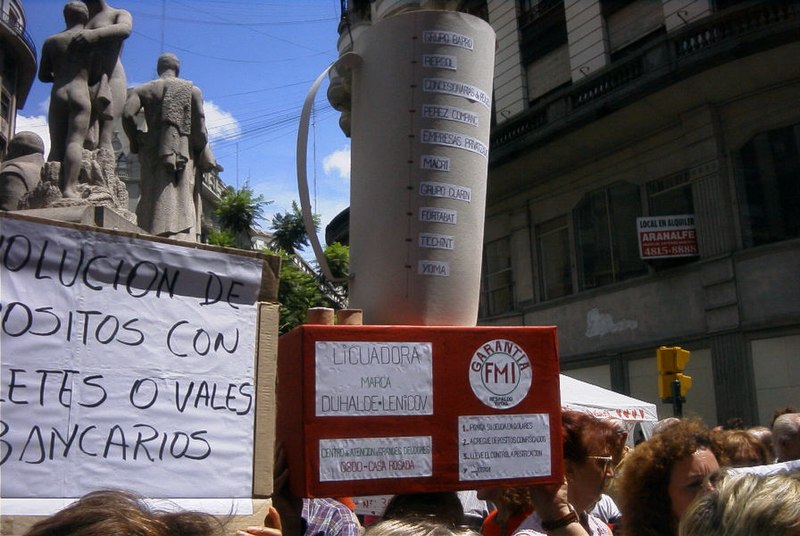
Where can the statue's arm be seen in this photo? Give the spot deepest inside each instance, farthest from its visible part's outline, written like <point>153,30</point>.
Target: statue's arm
<point>204,156</point>
<point>132,106</point>
<point>120,29</point>
<point>46,64</point>
<point>199,133</point>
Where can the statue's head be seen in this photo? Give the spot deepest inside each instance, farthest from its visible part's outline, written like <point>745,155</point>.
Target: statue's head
<point>24,143</point>
<point>166,61</point>
<point>94,4</point>
<point>76,13</point>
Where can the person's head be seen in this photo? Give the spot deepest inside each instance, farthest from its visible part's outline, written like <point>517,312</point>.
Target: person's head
<point>764,434</point>
<point>745,504</point>
<point>664,474</point>
<point>512,500</point>
<point>734,423</point>
<point>95,6</point>
<point>76,13</point>
<point>786,437</point>
<point>663,424</point>
<point>743,449</point>
<point>101,513</point>
<point>620,438</point>
<point>588,461</point>
<point>416,526</point>
<point>168,62</point>
<point>443,506</point>
<point>24,143</point>
<point>781,411</point>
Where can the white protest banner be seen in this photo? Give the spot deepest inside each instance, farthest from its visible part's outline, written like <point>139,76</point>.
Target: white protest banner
<point>124,363</point>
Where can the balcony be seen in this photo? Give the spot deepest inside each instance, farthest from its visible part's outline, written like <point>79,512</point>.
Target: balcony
<point>13,25</point>
<point>716,40</point>
<point>19,45</point>
<point>213,188</point>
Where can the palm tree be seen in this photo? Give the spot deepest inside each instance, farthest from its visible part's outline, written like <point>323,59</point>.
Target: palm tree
<point>238,211</point>
<point>289,232</point>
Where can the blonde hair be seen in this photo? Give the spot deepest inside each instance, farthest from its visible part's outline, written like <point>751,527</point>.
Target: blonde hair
<point>746,503</point>
<point>416,526</point>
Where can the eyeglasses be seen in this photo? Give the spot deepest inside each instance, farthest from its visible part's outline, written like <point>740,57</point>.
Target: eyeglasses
<point>603,462</point>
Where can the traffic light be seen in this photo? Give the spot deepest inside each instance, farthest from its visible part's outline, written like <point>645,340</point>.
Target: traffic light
<point>671,362</point>
<point>665,384</point>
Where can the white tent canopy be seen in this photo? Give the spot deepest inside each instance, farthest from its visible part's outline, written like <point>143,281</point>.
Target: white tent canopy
<point>606,404</point>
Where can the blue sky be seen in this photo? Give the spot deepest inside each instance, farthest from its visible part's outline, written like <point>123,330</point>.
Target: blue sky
<point>254,62</point>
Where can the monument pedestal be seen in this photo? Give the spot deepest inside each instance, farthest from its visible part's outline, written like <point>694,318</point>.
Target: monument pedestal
<point>98,216</point>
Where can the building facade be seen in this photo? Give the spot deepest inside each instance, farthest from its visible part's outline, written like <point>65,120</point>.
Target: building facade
<point>17,67</point>
<point>608,111</point>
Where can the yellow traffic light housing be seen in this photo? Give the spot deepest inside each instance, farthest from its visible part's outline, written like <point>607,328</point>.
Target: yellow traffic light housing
<point>665,384</point>
<point>671,361</point>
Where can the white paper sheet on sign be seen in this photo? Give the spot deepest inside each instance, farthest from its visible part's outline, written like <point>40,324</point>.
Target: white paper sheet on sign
<point>125,363</point>
<point>605,404</point>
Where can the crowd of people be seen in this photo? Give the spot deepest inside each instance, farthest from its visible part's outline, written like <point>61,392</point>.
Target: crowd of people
<point>686,479</point>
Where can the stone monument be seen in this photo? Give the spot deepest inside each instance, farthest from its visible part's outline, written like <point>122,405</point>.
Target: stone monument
<point>173,151</point>
<point>89,90</point>
<point>21,170</point>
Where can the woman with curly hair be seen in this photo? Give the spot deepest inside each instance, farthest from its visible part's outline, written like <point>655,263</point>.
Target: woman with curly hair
<point>663,476</point>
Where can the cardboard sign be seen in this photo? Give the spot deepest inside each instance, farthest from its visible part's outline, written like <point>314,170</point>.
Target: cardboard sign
<point>126,363</point>
<point>368,410</point>
<point>664,237</point>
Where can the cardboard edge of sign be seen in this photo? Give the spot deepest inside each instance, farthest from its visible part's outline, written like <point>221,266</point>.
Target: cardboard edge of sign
<point>270,272</point>
<point>266,399</point>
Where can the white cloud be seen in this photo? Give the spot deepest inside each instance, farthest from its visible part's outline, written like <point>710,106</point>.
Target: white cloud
<point>37,124</point>
<point>221,125</point>
<point>338,161</point>
<point>44,106</point>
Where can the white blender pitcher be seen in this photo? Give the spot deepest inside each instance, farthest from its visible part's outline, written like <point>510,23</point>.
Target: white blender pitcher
<point>420,115</point>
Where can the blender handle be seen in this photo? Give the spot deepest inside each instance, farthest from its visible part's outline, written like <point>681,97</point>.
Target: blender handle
<point>348,60</point>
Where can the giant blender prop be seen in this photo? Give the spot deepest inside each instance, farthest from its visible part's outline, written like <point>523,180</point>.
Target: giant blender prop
<point>419,121</point>
<point>419,398</point>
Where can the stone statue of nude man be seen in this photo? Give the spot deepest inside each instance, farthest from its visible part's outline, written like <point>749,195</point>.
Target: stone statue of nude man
<point>65,63</point>
<point>104,34</point>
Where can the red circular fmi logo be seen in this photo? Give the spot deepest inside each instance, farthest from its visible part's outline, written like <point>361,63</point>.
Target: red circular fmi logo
<point>500,374</point>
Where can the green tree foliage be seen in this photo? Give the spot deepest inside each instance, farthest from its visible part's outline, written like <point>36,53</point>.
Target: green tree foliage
<point>223,238</point>
<point>338,257</point>
<point>238,211</point>
<point>289,232</point>
<point>300,289</point>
